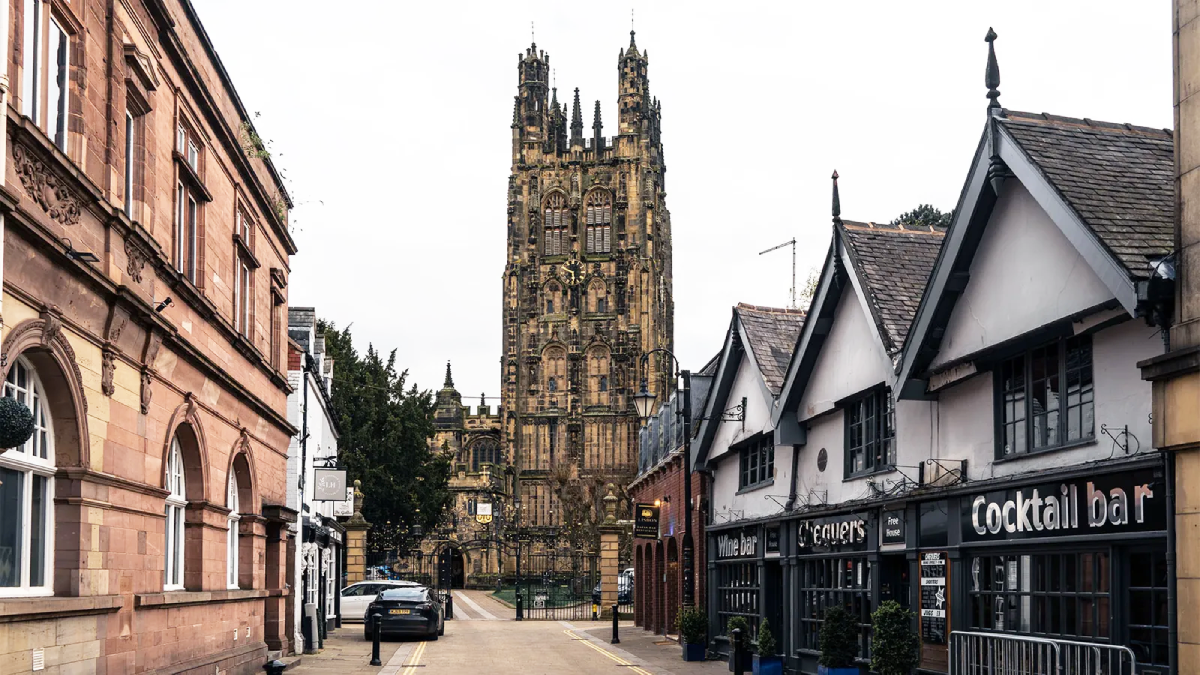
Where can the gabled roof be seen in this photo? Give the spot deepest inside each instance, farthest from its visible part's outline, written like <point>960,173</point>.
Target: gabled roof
<point>1108,187</point>
<point>767,335</point>
<point>771,335</point>
<point>1118,177</point>
<point>890,267</point>
<point>892,264</point>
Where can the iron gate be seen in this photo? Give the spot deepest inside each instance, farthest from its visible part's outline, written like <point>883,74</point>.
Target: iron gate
<point>559,586</point>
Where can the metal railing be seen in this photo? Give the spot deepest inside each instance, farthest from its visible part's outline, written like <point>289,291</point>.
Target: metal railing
<point>1088,658</point>
<point>995,654</point>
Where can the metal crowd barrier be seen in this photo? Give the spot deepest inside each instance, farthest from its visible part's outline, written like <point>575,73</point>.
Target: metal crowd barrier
<point>1001,654</point>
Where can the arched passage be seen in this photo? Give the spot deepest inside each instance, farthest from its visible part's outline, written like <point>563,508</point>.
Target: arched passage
<point>672,584</point>
<point>660,619</point>
<point>639,588</point>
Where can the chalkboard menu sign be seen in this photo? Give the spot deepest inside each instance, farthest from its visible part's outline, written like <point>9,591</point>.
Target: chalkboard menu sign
<point>935,600</point>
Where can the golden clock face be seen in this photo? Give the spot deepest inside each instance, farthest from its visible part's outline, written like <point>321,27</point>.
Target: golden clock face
<point>570,272</point>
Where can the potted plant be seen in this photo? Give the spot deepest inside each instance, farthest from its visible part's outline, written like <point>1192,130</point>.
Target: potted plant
<point>766,661</point>
<point>839,643</point>
<point>738,622</point>
<point>16,423</point>
<point>895,649</point>
<point>693,631</point>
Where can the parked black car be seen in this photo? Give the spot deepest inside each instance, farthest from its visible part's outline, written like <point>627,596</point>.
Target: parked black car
<point>624,591</point>
<point>413,610</point>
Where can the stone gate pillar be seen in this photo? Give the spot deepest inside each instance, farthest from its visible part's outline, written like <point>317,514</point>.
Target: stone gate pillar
<point>610,546</point>
<point>356,539</point>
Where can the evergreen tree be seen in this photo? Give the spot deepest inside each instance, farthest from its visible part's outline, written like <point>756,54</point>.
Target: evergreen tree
<point>385,430</point>
<point>924,216</point>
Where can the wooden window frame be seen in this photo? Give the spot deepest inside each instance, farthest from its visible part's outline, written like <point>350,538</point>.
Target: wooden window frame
<point>756,462</point>
<point>555,225</point>
<point>598,219</point>
<point>870,432</point>
<point>1015,415</point>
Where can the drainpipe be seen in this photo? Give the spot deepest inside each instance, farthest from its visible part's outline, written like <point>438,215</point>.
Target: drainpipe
<point>4,49</point>
<point>1172,593</point>
<point>791,501</point>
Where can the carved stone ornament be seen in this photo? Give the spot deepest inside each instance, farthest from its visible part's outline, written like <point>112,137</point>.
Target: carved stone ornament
<point>107,366</point>
<point>51,326</point>
<point>45,188</point>
<point>146,391</point>
<point>137,256</point>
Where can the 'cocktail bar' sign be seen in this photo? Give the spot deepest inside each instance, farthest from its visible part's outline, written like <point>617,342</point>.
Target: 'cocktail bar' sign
<point>1124,502</point>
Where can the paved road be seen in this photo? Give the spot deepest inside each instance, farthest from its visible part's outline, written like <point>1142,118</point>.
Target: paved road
<point>483,638</point>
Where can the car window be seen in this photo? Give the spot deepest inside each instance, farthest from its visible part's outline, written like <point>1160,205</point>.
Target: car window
<point>406,594</point>
<point>359,590</point>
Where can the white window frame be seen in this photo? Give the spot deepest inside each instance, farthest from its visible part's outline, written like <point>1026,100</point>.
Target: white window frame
<point>34,458</point>
<point>173,578</point>
<point>231,542</point>
<point>130,127</point>
<point>35,76</point>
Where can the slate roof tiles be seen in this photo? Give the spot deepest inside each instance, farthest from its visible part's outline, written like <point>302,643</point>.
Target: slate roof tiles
<point>893,264</point>
<point>1118,177</point>
<point>772,333</point>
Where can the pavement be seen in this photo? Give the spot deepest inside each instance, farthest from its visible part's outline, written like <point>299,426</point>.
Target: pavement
<point>484,638</point>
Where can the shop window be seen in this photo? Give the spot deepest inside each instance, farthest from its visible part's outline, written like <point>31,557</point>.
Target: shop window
<point>1148,617</point>
<point>870,433</point>
<point>737,593</point>
<point>834,582</point>
<point>1056,595</point>
<point>27,494</point>
<point>1045,398</point>
<point>757,460</point>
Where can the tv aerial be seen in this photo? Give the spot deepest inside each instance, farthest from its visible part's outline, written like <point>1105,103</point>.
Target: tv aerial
<point>791,242</point>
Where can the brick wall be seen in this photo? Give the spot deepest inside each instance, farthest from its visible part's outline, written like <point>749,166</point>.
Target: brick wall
<point>656,602</point>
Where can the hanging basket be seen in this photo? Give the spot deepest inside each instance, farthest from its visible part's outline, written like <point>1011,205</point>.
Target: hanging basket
<point>16,423</point>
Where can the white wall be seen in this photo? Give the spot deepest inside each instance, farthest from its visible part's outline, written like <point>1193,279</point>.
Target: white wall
<point>754,503</point>
<point>851,360</point>
<point>965,415</point>
<point>1025,274</point>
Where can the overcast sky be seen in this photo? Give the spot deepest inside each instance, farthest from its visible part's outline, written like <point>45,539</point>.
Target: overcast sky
<point>391,123</point>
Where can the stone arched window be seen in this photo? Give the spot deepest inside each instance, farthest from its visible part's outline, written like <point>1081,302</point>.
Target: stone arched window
<point>27,494</point>
<point>555,221</point>
<point>176,505</point>
<point>552,298</point>
<point>598,210</point>
<point>554,369</point>
<point>484,451</point>
<point>231,541</point>
<point>598,374</point>
<point>598,300</point>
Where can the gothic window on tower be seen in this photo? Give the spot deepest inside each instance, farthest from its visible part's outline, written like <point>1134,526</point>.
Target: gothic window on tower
<point>598,297</point>
<point>599,222</point>
<point>553,298</point>
<point>555,221</point>
<point>554,368</point>
<point>597,364</point>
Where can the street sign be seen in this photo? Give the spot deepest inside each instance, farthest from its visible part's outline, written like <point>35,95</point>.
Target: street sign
<point>645,522</point>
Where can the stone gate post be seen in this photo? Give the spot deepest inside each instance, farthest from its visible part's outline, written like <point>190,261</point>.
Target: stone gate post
<point>356,539</point>
<point>610,546</point>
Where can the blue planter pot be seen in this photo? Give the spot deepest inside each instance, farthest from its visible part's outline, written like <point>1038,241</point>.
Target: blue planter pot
<point>768,665</point>
<point>822,670</point>
<point>693,652</point>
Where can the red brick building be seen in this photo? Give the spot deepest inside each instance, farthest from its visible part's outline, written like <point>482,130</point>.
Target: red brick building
<point>143,527</point>
<point>658,563</point>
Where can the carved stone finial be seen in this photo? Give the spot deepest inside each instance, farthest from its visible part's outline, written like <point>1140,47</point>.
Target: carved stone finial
<point>610,505</point>
<point>992,78</point>
<point>449,383</point>
<point>837,200</point>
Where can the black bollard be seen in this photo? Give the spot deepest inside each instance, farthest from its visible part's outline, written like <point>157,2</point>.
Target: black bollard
<point>736,645</point>
<point>520,616</point>
<point>377,620</point>
<point>275,667</point>
<point>450,606</point>
<point>616,640</point>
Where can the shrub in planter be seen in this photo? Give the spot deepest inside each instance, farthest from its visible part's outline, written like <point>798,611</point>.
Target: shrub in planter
<point>766,661</point>
<point>895,649</point>
<point>16,423</point>
<point>692,623</point>
<point>739,622</point>
<point>839,643</point>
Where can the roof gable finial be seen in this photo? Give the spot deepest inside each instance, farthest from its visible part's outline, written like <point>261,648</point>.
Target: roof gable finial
<point>992,78</point>
<point>449,384</point>
<point>837,200</point>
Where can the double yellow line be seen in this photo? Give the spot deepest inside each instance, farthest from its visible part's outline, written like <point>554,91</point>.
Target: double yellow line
<point>410,667</point>
<point>620,661</point>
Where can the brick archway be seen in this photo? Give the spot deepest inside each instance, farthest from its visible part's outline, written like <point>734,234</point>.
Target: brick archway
<point>639,588</point>
<point>660,599</point>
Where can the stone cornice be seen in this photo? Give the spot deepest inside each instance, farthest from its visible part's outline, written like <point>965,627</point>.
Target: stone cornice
<point>38,609</point>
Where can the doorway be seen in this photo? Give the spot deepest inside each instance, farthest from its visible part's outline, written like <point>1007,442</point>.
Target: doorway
<point>894,581</point>
<point>451,568</point>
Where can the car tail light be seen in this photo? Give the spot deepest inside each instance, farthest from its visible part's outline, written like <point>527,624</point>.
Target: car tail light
<point>425,605</point>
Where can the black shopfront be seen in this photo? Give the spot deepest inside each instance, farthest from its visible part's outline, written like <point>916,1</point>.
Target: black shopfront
<point>1074,554</point>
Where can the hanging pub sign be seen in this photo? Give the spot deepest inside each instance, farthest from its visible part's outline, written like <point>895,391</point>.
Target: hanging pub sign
<point>837,533</point>
<point>934,597</point>
<point>737,545</point>
<point>1122,502</point>
<point>329,485</point>
<point>645,521</point>
<point>893,527</point>
<point>483,513</point>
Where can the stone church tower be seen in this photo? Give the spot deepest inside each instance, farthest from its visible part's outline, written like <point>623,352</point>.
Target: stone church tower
<point>587,290</point>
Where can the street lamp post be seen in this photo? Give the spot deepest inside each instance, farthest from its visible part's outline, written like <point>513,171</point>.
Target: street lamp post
<point>644,402</point>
